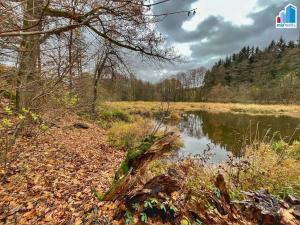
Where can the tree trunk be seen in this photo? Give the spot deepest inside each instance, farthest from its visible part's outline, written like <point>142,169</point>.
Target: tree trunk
<point>70,59</point>
<point>27,75</point>
<point>98,71</point>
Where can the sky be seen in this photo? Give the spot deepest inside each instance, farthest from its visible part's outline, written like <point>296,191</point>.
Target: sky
<point>219,28</point>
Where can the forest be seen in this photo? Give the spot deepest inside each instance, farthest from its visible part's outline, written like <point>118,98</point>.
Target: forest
<point>268,75</point>
<point>85,139</point>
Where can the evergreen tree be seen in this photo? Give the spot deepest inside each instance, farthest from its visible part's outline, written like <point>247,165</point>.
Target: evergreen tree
<point>227,61</point>
<point>272,45</point>
<point>291,44</point>
<point>257,51</point>
<point>233,57</point>
<point>247,52</point>
<point>281,44</point>
<point>252,52</point>
<point>243,54</point>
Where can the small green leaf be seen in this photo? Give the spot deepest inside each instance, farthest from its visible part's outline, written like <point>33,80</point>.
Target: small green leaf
<point>21,116</point>
<point>136,206</point>
<point>6,122</point>
<point>216,192</point>
<point>153,201</point>
<point>173,208</point>
<point>34,116</point>
<point>144,217</point>
<point>148,204</point>
<point>44,126</point>
<point>163,207</point>
<point>8,110</point>
<point>198,222</point>
<point>129,218</point>
<point>24,110</point>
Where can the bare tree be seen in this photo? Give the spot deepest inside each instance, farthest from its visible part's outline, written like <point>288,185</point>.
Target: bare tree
<point>126,24</point>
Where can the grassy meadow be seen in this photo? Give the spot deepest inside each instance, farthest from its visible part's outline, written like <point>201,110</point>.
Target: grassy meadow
<point>252,109</point>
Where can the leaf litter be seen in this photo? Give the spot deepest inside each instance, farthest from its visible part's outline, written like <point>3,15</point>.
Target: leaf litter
<point>52,175</point>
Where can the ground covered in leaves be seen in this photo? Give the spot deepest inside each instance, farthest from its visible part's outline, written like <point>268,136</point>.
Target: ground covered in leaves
<point>52,174</point>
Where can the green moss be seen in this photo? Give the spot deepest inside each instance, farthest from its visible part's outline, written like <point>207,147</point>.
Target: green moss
<point>132,154</point>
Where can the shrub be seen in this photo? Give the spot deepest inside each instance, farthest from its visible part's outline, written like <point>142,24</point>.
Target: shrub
<point>271,166</point>
<point>111,114</point>
<point>127,135</point>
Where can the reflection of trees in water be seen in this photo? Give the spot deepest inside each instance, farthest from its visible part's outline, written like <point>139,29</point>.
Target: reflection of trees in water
<point>191,125</point>
<point>231,131</point>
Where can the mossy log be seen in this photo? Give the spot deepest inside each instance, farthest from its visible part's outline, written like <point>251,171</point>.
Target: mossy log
<point>136,163</point>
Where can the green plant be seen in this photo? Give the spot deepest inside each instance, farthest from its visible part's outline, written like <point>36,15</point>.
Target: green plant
<point>153,201</point>
<point>216,192</point>
<point>285,191</point>
<point>271,166</point>
<point>294,150</point>
<point>69,99</point>
<point>173,208</point>
<point>8,110</point>
<point>6,122</point>
<point>136,206</point>
<point>144,217</point>
<point>34,116</point>
<point>148,204</point>
<point>98,195</point>
<point>112,114</point>
<point>198,222</point>
<point>209,206</point>
<point>279,146</point>
<point>128,218</point>
<point>163,207</point>
<point>235,194</point>
<point>44,126</point>
<point>128,135</point>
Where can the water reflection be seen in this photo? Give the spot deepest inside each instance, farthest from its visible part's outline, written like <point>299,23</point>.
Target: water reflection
<point>226,133</point>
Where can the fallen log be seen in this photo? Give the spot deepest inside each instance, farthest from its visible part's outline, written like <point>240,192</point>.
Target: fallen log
<point>80,125</point>
<point>162,184</point>
<point>130,174</point>
<point>267,209</point>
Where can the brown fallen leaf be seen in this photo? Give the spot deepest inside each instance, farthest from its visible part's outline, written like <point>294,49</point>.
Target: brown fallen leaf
<point>78,221</point>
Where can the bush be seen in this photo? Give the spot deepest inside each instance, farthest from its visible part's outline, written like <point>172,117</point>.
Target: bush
<point>111,114</point>
<point>127,135</point>
<point>271,166</point>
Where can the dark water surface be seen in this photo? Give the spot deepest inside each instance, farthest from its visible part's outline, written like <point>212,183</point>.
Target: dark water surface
<point>226,133</point>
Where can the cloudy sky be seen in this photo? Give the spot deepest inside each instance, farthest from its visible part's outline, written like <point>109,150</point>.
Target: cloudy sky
<point>219,28</point>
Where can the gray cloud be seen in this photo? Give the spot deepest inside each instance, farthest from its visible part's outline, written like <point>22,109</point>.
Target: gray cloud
<point>172,24</point>
<point>222,37</point>
<point>225,38</point>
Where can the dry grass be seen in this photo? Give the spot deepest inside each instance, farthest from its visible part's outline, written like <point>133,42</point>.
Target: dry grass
<point>126,135</point>
<point>146,107</point>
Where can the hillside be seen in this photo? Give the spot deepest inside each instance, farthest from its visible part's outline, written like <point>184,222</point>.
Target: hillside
<point>254,75</point>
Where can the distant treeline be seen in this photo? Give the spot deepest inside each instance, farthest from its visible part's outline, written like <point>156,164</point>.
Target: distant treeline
<point>270,75</point>
<point>184,86</point>
<point>267,75</point>
<point>255,75</point>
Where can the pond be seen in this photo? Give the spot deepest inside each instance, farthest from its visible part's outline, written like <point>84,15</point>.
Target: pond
<point>224,134</point>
